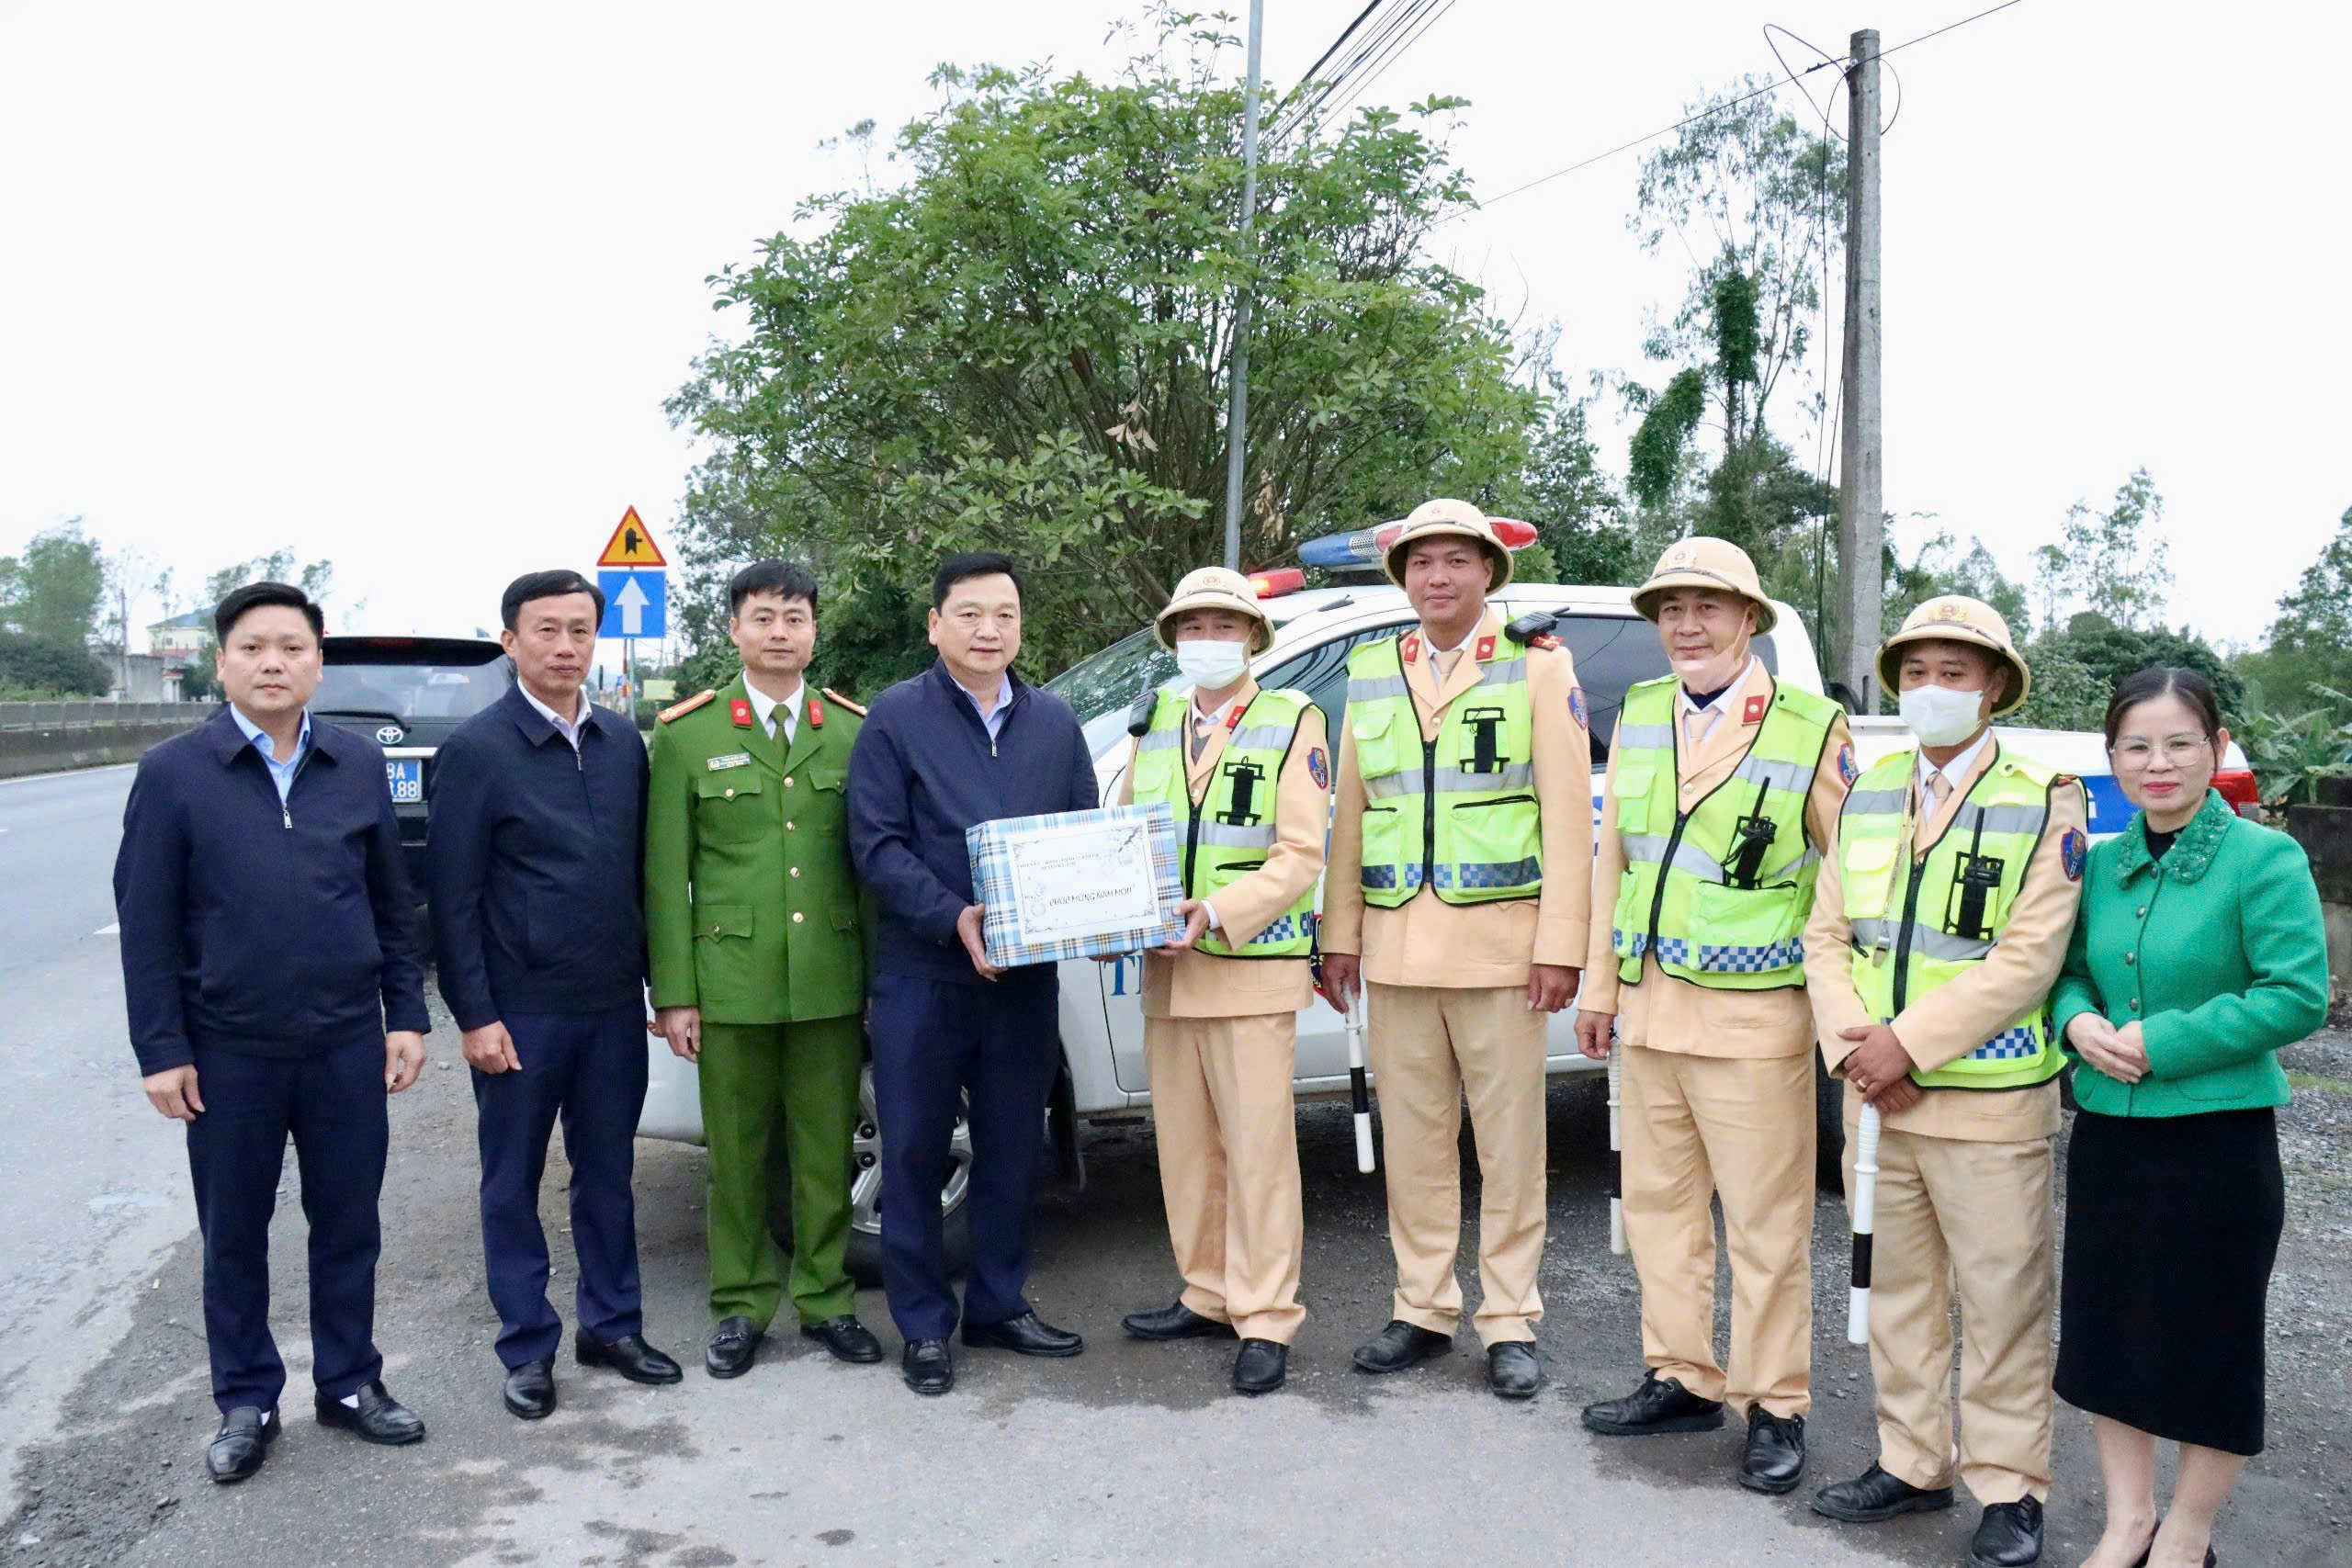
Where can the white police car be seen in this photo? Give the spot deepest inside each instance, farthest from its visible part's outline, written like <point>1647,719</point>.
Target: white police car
<point>1103,1077</point>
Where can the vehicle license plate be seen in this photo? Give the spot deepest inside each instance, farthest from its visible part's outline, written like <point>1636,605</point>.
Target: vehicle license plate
<point>406,775</point>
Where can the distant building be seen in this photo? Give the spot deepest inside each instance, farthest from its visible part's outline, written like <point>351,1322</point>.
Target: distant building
<point>181,633</point>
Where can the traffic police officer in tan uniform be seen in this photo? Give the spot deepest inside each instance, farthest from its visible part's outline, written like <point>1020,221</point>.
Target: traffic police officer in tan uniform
<point>1723,789</point>
<point>1938,929</point>
<point>1466,776</point>
<point>1247,774</point>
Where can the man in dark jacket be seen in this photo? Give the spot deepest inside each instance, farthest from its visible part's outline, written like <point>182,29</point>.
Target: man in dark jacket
<point>268,971</point>
<point>962,743</point>
<point>533,862</point>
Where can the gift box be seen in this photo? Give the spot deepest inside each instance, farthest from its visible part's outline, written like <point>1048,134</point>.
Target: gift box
<point>1077,884</point>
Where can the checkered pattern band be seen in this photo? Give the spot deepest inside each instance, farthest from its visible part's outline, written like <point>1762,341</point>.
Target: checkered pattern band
<point>1750,959</point>
<point>1491,873</point>
<point>1634,945</point>
<point>2010,1045</point>
<point>992,883</point>
<point>1381,878</point>
<point>1288,927</point>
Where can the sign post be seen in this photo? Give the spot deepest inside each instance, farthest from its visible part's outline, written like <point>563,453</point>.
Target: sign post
<point>634,576</point>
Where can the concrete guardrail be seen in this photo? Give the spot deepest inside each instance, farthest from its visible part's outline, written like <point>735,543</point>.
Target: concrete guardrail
<point>46,738</point>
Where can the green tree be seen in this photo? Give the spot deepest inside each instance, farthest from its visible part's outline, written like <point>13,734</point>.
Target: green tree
<point>1939,567</point>
<point>1750,193</point>
<point>1025,346</point>
<point>2306,657</point>
<point>51,592</point>
<point>2111,562</point>
<point>34,665</point>
<point>2075,670</point>
<point>315,578</point>
<point>1581,522</point>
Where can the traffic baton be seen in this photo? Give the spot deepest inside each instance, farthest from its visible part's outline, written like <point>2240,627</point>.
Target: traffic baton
<point>1359,1089</point>
<point>1616,1152</point>
<point>1865,1207</point>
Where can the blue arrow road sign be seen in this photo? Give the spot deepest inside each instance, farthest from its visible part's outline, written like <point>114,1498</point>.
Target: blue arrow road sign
<point>636,603</point>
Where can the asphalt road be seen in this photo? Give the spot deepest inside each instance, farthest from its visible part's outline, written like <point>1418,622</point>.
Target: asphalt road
<point>1130,1453</point>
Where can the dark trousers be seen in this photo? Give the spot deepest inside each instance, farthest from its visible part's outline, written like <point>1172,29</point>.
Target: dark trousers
<point>935,1043</point>
<point>589,1070</point>
<point>333,1105</point>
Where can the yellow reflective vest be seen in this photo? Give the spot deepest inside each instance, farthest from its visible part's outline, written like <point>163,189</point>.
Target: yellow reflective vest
<point>1718,894</point>
<point>1456,813</point>
<point>1918,924</point>
<point>1229,831</point>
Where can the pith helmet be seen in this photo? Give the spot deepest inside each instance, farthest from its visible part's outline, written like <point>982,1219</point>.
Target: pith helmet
<point>1703,562</point>
<point>1955,617</point>
<point>1432,518</point>
<point>1214,588</point>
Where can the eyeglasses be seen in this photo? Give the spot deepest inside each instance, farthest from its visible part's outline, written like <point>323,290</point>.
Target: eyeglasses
<point>2180,751</point>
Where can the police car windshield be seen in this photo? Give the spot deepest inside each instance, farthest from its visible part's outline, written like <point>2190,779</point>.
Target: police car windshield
<point>1101,689</point>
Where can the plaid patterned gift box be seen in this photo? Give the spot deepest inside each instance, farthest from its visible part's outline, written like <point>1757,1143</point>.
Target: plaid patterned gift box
<point>992,883</point>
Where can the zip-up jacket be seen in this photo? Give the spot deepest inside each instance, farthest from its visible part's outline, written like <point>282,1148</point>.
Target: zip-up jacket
<point>534,865</point>
<point>253,925</point>
<point>924,769</point>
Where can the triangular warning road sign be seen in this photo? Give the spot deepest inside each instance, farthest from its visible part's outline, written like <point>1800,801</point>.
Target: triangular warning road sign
<point>631,545</point>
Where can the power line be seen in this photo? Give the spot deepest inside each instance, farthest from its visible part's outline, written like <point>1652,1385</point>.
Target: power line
<point>1345,33</point>
<point>1317,91</point>
<point>1380,66</point>
<point>1718,109</point>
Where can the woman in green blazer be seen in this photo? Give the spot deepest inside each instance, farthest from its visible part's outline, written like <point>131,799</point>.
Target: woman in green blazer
<point>2198,954</point>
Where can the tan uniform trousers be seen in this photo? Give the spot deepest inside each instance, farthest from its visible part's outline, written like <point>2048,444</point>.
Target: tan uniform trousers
<point>1229,1166</point>
<point>1979,1210</point>
<point>1430,1047</point>
<point>1740,1128</point>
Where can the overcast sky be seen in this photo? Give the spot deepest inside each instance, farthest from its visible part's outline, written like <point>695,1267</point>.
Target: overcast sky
<point>406,286</point>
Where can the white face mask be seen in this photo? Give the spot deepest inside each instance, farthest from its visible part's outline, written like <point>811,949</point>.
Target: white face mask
<point>1939,715</point>
<point>1212,665</point>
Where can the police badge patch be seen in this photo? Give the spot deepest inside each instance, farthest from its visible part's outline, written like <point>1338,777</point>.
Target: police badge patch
<point>1846,768</point>
<point>2074,849</point>
<point>1317,769</point>
<point>1576,709</point>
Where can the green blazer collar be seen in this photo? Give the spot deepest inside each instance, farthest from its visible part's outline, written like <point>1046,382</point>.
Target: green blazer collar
<point>2191,853</point>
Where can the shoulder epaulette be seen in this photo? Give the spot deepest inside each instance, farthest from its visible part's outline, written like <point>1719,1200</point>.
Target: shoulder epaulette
<point>680,710</point>
<point>840,701</point>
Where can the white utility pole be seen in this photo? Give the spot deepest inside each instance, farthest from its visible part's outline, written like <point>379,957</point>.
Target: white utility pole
<point>1862,516</point>
<point>1236,421</point>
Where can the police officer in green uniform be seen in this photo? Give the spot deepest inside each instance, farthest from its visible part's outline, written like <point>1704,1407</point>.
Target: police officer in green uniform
<point>757,962</point>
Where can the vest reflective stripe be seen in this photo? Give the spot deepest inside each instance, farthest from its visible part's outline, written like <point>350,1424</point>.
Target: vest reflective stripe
<point>1898,906</point>
<point>1256,747</point>
<point>1678,901</point>
<point>1457,814</point>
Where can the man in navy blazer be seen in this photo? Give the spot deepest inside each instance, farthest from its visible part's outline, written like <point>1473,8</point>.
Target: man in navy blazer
<point>533,860</point>
<point>963,742</point>
<point>272,986</point>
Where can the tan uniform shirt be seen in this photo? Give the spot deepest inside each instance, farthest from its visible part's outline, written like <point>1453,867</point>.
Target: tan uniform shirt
<point>1428,942</point>
<point>1956,1018</point>
<point>1664,1011</point>
<point>1201,985</point>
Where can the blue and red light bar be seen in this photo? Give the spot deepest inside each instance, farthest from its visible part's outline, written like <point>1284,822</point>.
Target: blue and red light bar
<point>1367,547</point>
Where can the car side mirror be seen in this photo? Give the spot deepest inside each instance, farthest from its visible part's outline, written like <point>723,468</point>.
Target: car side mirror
<point>1845,696</point>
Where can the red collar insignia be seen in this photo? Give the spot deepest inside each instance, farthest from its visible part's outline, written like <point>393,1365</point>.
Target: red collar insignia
<point>1410,647</point>
<point>1486,648</point>
<point>816,714</point>
<point>741,709</point>
<point>1232,720</point>
<point>1754,712</point>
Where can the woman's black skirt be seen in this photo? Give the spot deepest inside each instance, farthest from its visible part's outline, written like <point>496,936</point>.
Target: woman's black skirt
<point>2172,1227</point>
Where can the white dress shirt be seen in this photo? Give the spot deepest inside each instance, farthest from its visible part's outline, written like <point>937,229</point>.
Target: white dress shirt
<point>780,719</point>
<point>568,729</point>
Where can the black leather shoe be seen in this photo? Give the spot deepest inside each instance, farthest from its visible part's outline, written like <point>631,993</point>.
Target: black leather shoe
<point>530,1390</point>
<point>1513,1370</point>
<point>729,1351</point>
<point>848,1338</point>
<point>630,1355</point>
<point>1400,1346</point>
<point>1261,1367</point>
<point>2008,1536</point>
<point>1177,1322</point>
<point>1774,1461</point>
<point>926,1367</point>
<point>380,1419</point>
<point>1660,1405</point>
<point>1027,1334</point>
<point>242,1443</point>
<point>1874,1495</point>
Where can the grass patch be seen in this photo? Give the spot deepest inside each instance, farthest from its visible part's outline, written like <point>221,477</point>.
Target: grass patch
<point>2316,1081</point>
